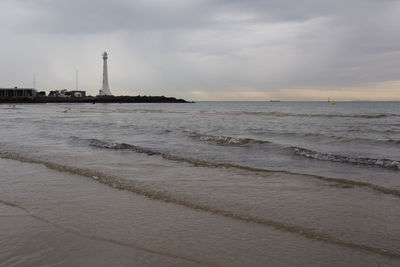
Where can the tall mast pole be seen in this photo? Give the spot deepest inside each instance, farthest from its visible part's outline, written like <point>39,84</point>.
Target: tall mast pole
<point>77,80</point>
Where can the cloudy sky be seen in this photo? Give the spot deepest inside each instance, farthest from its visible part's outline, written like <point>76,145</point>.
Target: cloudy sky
<point>206,49</point>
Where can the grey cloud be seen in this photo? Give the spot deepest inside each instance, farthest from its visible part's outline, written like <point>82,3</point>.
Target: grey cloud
<point>84,17</point>
<point>214,44</point>
<point>88,17</point>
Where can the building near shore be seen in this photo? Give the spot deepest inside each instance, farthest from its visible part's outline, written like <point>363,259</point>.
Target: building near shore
<point>41,94</point>
<point>77,93</point>
<point>18,92</point>
<point>66,93</point>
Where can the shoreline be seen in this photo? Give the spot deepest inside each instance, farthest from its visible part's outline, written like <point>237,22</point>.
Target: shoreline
<point>91,99</point>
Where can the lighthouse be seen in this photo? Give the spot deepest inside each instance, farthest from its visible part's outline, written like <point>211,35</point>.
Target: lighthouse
<point>105,90</point>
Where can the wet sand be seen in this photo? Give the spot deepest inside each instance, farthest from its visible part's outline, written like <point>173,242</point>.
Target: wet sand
<point>49,217</point>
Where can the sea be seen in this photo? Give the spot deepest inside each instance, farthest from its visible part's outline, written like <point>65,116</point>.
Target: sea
<point>200,184</point>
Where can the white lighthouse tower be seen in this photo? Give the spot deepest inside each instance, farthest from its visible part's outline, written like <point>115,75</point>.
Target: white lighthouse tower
<point>105,90</point>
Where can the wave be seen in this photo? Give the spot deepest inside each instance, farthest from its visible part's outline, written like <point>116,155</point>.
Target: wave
<point>151,111</point>
<point>345,139</point>
<point>137,188</point>
<point>203,163</point>
<point>391,141</point>
<point>236,141</point>
<point>250,113</point>
<point>134,111</point>
<point>322,115</point>
<point>385,163</point>
<point>225,140</point>
<point>300,151</point>
<point>121,146</point>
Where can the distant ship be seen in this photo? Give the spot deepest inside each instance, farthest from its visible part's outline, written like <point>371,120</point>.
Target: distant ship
<point>333,102</point>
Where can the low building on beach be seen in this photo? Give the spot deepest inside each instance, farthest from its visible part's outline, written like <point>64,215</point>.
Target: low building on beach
<point>17,92</point>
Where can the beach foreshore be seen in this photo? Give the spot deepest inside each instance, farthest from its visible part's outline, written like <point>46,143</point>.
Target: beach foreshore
<point>55,217</point>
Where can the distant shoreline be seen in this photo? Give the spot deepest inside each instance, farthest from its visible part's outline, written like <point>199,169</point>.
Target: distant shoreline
<point>90,99</point>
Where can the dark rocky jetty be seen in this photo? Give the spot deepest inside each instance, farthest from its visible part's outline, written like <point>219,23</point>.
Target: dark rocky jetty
<point>96,99</point>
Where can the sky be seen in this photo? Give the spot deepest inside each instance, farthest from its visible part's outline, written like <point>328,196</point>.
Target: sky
<point>234,50</point>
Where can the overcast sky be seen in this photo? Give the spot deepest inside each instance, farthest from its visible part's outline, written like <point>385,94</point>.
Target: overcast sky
<point>206,49</point>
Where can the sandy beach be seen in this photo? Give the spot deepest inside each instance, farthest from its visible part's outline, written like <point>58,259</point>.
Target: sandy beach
<point>55,218</point>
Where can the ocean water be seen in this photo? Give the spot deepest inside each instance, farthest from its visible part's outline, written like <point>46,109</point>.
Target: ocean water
<point>208,183</point>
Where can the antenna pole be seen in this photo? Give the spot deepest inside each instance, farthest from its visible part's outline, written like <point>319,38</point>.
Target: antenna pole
<point>34,80</point>
<point>77,80</point>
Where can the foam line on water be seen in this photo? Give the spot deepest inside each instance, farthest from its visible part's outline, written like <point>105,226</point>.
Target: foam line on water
<point>383,163</point>
<point>299,151</point>
<point>224,140</point>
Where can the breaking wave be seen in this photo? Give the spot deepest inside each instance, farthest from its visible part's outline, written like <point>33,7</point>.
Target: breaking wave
<point>385,163</point>
<point>345,139</point>
<point>236,141</point>
<point>225,140</point>
<point>121,146</point>
<point>299,151</point>
<point>203,163</point>
<point>304,152</point>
